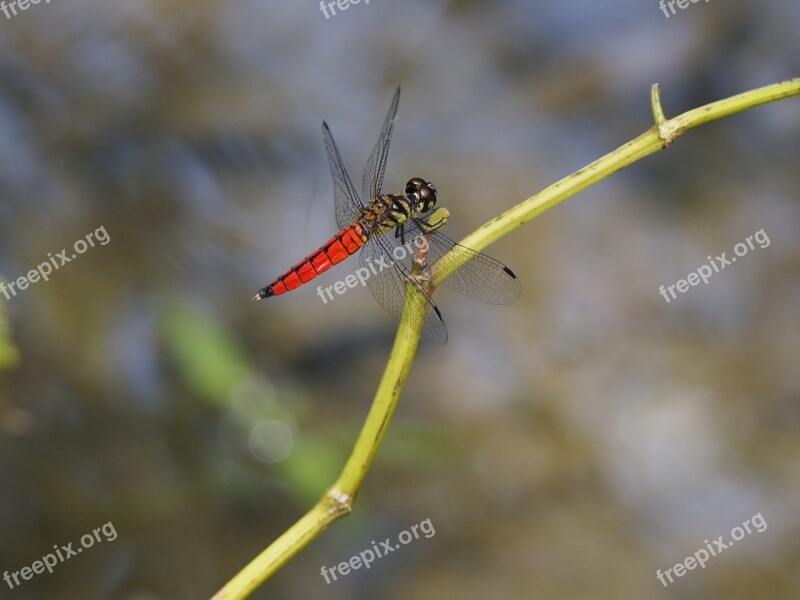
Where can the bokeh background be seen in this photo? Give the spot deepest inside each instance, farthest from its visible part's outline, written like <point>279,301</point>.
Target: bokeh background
<point>564,447</point>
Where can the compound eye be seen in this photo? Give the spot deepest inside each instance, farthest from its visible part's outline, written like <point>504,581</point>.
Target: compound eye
<point>428,196</point>
<point>414,184</point>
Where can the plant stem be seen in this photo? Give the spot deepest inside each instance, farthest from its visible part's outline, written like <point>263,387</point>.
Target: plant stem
<point>338,500</point>
<point>658,137</point>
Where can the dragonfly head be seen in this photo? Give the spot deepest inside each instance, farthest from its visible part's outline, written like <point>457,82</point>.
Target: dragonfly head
<point>423,192</point>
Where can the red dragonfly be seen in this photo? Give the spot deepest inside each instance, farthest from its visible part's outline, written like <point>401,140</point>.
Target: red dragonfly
<point>412,217</point>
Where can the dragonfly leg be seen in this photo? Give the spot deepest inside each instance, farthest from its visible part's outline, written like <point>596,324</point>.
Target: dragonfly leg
<point>400,232</point>
<point>434,221</point>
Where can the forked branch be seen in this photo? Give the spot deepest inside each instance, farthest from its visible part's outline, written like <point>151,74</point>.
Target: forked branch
<point>338,500</point>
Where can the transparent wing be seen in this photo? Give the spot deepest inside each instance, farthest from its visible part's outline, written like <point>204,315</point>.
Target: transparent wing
<point>388,264</point>
<point>348,204</point>
<point>480,277</point>
<point>376,165</point>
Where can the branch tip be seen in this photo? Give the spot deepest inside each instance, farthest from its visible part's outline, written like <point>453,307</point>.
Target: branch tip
<point>655,104</point>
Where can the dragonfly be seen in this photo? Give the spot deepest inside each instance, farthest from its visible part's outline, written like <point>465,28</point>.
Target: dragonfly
<point>385,229</point>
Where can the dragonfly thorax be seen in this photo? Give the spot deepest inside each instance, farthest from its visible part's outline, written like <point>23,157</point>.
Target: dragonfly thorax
<point>422,193</point>
<point>387,211</point>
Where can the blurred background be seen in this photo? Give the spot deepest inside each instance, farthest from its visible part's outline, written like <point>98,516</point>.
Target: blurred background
<point>567,446</point>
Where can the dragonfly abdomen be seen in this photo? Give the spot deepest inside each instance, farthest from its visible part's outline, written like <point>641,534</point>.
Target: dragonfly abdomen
<point>343,244</point>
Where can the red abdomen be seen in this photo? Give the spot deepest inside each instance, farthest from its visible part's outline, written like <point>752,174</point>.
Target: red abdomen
<point>335,250</point>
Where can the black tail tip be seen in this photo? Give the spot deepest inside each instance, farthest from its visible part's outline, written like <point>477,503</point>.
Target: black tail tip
<point>263,293</point>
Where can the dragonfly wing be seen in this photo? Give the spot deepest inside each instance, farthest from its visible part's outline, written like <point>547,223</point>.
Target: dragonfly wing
<point>376,165</point>
<point>387,282</point>
<point>348,204</point>
<point>479,277</point>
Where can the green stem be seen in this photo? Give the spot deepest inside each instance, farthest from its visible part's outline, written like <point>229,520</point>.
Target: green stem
<point>654,139</point>
<point>338,500</point>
